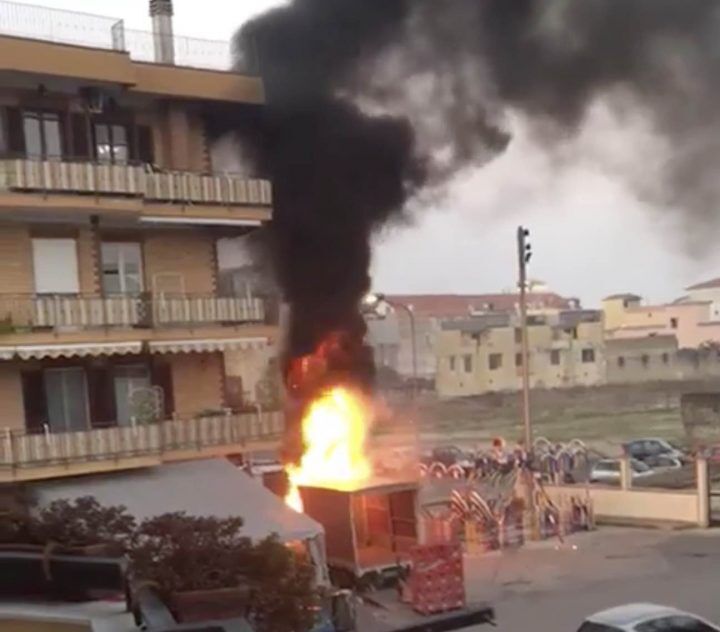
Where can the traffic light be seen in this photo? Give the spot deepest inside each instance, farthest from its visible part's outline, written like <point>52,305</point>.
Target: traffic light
<point>524,247</point>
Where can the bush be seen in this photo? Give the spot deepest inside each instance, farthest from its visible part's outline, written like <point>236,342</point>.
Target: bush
<point>181,553</point>
<point>83,522</point>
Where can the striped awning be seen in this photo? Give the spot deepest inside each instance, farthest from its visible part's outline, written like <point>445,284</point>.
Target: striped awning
<point>205,345</point>
<point>77,350</point>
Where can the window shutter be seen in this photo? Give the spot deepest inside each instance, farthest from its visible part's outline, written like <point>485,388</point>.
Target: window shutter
<point>145,149</point>
<point>33,388</point>
<point>15,136</point>
<point>101,394</point>
<point>81,142</point>
<point>162,377</point>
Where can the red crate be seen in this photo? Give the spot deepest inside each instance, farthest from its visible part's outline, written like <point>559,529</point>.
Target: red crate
<point>436,579</point>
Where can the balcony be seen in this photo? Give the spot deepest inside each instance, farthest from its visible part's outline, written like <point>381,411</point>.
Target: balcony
<point>131,181</point>
<point>19,313</point>
<point>25,456</point>
<point>108,33</point>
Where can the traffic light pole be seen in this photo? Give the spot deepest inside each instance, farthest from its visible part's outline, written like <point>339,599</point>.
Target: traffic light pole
<point>523,258</point>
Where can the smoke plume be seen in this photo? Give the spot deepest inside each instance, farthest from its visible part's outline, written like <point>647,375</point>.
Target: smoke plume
<point>373,102</point>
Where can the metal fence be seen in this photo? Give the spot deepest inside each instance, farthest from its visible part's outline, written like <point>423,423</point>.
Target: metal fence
<point>96,31</point>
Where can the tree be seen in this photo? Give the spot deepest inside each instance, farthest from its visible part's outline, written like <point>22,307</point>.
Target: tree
<point>83,522</point>
<point>180,553</point>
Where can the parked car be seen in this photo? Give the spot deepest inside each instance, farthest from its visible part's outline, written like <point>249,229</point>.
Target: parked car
<point>643,449</point>
<point>608,470</point>
<point>663,463</point>
<point>449,455</point>
<point>646,617</point>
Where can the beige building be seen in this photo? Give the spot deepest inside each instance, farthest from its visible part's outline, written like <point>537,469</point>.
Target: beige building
<point>483,354</point>
<point>693,319</point>
<point>391,336</point>
<point>111,209</point>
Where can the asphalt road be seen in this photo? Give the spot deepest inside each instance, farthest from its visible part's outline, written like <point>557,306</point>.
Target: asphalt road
<point>552,587</point>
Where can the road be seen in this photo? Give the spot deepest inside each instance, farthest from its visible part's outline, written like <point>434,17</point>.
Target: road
<point>552,587</point>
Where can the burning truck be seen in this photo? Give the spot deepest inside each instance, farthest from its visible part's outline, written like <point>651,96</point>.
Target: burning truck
<point>370,522</point>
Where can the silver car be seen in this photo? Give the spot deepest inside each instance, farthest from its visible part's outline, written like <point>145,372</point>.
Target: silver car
<point>608,470</point>
<point>646,617</point>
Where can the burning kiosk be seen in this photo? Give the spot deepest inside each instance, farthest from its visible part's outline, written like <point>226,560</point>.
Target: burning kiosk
<point>370,525</point>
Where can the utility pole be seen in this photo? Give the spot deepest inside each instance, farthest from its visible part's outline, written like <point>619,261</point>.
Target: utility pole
<point>524,255</point>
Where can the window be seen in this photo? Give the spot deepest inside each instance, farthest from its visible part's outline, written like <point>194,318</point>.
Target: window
<point>42,135</point>
<point>665,358</point>
<point>677,623</point>
<point>621,362</point>
<point>467,362</point>
<point>588,355</point>
<point>518,335</point>
<point>451,363</point>
<point>111,143</point>
<point>555,357</point>
<point>518,359</point>
<point>645,359</point>
<point>589,626</point>
<point>55,266</point>
<point>494,361</point>
<point>121,268</point>
<point>67,401</point>
<point>674,323</point>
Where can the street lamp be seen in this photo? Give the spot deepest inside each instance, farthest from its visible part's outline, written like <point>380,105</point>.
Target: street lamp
<point>373,302</point>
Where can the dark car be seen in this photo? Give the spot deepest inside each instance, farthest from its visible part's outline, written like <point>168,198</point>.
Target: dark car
<point>651,448</point>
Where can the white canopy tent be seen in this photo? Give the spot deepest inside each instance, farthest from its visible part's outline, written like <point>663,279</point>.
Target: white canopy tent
<point>209,487</point>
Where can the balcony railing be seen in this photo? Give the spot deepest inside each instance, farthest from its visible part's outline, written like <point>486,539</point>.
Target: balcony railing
<point>85,177</point>
<point>58,312</point>
<point>19,449</point>
<point>96,31</point>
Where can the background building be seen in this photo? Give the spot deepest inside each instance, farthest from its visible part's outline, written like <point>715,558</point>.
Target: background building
<point>483,354</point>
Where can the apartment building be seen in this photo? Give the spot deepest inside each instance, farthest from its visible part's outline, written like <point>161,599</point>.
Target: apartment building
<point>112,206</point>
<point>483,354</point>
<point>694,319</point>
<point>392,336</point>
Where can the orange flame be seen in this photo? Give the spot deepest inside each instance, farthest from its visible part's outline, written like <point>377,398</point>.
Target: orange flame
<point>334,432</point>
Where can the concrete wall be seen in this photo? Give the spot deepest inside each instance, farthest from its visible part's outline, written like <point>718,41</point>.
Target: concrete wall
<point>248,374</point>
<point>180,261</point>
<point>635,505</point>
<point>197,380</point>
<point>12,410</point>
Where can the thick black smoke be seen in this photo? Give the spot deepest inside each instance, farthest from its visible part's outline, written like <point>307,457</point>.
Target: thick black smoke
<point>371,102</point>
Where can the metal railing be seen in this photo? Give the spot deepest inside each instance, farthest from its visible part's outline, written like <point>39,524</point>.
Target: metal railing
<point>19,313</point>
<point>87,177</point>
<point>20,449</point>
<point>96,31</point>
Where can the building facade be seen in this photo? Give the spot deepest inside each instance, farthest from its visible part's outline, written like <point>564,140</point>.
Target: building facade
<point>393,342</point>
<point>484,354</point>
<point>111,211</point>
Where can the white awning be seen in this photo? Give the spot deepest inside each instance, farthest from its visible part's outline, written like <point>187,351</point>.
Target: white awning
<point>78,350</point>
<point>205,346</point>
<point>7,353</point>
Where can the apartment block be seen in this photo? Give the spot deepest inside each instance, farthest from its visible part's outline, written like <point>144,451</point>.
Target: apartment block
<point>483,354</point>
<point>113,325</point>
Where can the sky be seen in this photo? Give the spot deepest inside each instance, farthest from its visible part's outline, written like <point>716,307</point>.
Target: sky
<point>591,236</point>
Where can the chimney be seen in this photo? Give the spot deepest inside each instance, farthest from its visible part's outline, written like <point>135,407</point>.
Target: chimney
<point>161,12</point>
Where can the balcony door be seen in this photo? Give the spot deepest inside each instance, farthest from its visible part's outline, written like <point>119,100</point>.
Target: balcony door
<point>122,268</point>
<point>111,143</point>
<point>67,399</point>
<point>132,393</point>
<point>43,135</point>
